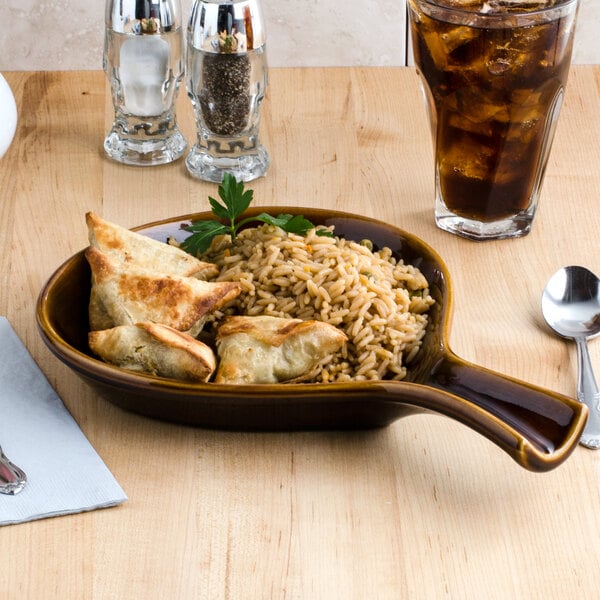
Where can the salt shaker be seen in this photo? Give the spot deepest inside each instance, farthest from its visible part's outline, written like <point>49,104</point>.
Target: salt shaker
<point>226,81</point>
<point>144,63</point>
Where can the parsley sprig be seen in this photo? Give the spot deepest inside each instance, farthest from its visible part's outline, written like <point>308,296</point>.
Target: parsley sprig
<point>235,201</point>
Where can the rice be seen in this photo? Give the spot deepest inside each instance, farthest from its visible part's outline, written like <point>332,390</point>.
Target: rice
<point>380,303</point>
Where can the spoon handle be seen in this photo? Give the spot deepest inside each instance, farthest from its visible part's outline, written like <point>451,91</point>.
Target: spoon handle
<point>588,394</point>
<point>12,478</point>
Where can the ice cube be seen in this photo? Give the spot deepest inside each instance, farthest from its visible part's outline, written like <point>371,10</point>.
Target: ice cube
<point>513,6</point>
<point>467,158</point>
<point>462,122</point>
<point>481,107</point>
<point>441,45</point>
<point>523,132</point>
<point>457,36</point>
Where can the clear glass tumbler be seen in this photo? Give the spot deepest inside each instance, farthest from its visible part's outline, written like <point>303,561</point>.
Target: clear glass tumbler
<point>144,63</point>
<point>493,74</point>
<point>226,82</point>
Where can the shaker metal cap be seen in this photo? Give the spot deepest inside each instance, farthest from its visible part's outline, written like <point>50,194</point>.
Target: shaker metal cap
<point>226,26</point>
<point>142,17</point>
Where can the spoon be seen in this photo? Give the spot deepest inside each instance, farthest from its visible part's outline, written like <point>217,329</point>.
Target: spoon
<point>12,478</point>
<point>571,307</point>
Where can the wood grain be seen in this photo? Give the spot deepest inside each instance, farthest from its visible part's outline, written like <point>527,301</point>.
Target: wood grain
<point>423,509</point>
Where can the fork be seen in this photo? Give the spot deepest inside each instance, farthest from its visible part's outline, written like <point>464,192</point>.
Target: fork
<point>12,478</point>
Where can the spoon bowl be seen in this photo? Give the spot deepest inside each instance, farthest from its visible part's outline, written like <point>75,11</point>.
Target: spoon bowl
<point>571,307</point>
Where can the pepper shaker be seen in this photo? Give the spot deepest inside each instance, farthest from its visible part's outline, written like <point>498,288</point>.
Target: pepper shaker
<point>226,80</point>
<point>144,63</point>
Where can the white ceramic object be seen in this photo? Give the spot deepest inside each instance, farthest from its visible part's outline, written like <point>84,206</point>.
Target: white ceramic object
<point>8,116</point>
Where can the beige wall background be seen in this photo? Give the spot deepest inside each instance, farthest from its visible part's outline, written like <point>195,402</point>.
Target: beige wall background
<point>68,34</point>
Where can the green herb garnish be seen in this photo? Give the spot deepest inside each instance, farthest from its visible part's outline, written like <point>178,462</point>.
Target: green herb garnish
<point>235,201</point>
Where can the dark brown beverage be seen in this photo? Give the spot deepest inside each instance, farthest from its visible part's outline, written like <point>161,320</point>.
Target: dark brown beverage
<point>494,83</point>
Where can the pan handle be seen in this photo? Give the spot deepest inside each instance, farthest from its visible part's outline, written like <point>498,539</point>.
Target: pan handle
<point>537,427</point>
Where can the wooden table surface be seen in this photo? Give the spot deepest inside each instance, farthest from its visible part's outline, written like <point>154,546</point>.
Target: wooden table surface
<point>425,508</point>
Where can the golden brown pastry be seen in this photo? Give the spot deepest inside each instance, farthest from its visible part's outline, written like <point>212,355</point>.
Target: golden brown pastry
<point>126,297</point>
<point>268,349</point>
<point>155,349</point>
<point>99,317</point>
<point>134,249</point>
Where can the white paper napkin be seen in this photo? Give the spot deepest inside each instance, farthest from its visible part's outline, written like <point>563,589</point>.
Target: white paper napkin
<point>64,473</point>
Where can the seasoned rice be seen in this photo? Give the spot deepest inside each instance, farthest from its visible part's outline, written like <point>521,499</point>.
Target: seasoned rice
<point>380,303</point>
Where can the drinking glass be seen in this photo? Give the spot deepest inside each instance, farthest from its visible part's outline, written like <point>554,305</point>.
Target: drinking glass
<point>226,80</point>
<point>144,63</point>
<point>493,75</point>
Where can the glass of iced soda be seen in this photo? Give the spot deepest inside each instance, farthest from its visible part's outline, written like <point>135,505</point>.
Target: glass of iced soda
<point>493,74</point>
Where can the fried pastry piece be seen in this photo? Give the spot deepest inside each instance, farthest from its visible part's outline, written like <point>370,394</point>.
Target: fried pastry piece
<point>134,249</point>
<point>268,349</point>
<point>126,297</point>
<point>99,317</point>
<point>155,349</point>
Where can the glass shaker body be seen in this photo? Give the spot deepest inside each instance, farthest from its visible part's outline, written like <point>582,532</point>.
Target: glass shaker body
<point>226,80</point>
<point>144,63</point>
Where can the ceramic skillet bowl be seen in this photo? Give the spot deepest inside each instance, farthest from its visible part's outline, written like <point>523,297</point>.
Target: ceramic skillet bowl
<point>538,428</point>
